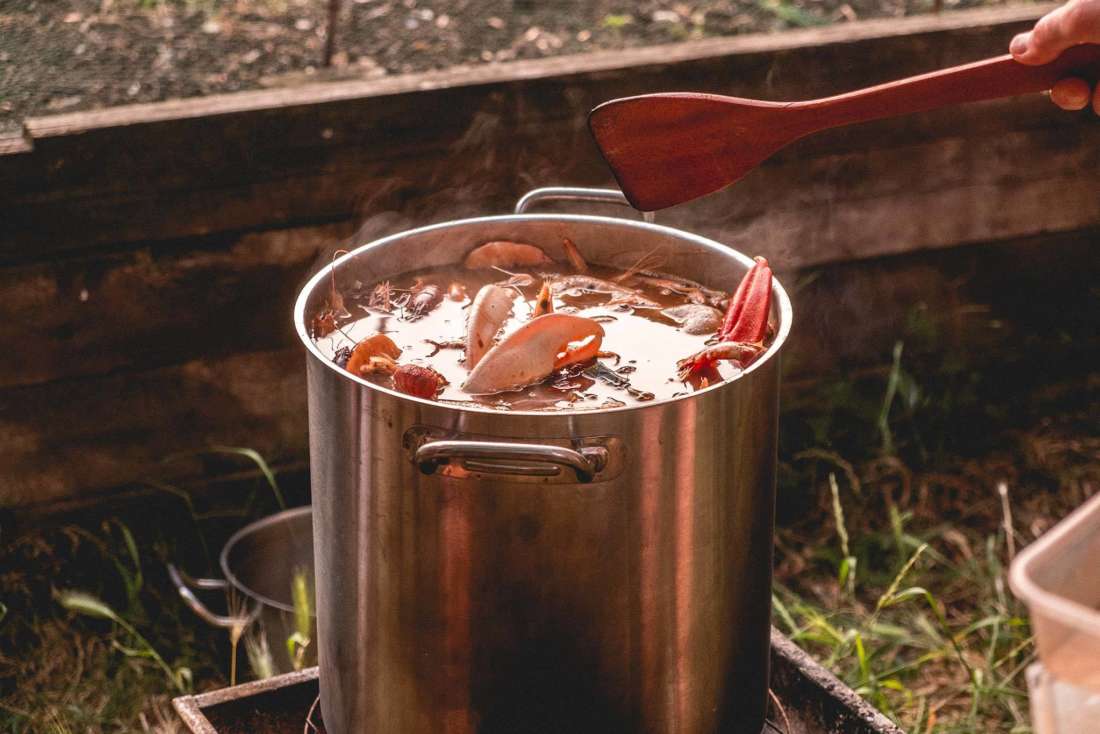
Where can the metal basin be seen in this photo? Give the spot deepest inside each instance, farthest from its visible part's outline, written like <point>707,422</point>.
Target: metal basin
<point>259,563</point>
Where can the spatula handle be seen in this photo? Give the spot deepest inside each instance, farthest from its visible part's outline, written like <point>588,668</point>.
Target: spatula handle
<point>1001,76</point>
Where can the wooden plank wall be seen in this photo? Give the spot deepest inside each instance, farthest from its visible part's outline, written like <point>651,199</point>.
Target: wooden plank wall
<point>149,255</point>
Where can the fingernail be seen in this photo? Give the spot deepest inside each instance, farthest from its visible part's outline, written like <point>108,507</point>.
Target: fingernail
<point>1018,47</point>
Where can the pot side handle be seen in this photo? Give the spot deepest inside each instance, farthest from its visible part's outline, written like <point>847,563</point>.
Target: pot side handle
<point>183,584</point>
<point>570,193</point>
<point>494,457</point>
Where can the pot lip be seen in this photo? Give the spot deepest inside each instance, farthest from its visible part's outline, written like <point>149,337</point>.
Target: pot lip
<point>223,558</point>
<point>778,292</point>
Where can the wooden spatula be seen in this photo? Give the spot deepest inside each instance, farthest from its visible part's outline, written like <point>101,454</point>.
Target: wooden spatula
<point>665,149</point>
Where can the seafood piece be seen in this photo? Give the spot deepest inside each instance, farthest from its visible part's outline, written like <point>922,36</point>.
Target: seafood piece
<point>649,261</point>
<point>544,302</point>
<point>533,351</point>
<point>375,354</point>
<point>574,255</point>
<point>322,324</point>
<point>445,344</point>
<point>413,379</point>
<point>425,297</point>
<point>740,353</point>
<point>695,318</point>
<point>457,292</point>
<point>741,338</point>
<point>503,254</point>
<point>619,294</point>
<point>381,297</point>
<point>516,280</point>
<point>747,316</point>
<point>491,308</point>
<point>694,292</point>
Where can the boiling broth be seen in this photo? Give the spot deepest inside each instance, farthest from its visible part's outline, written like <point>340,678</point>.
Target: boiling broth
<point>644,343</point>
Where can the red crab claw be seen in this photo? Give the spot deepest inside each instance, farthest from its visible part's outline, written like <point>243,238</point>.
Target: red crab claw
<point>741,338</point>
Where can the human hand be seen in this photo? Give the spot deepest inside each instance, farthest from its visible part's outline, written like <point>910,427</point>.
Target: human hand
<point>1076,22</point>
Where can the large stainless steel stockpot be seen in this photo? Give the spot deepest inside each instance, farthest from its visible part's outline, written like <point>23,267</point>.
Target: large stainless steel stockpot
<point>591,571</point>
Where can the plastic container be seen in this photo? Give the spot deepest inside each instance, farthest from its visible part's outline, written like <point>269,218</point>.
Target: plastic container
<point>1058,577</point>
<point>1061,708</point>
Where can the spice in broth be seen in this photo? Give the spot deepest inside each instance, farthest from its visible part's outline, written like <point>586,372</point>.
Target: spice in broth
<point>511,329</point>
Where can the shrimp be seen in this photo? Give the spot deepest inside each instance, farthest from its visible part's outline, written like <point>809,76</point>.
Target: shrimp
<point>515,280</point>
<point>491,308</point>
<point>535,350</point>
<point>619,294</point>
<point>375,354</point>
<point>503,254</point>
<point>413,379</point>
<point>574,255</point>
<point>695,318</point>
<point>544,302</point>
<point>694,292</point>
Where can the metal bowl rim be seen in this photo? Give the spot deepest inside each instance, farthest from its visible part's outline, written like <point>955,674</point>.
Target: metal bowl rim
<point>223,560</point>
<point>785,311</point>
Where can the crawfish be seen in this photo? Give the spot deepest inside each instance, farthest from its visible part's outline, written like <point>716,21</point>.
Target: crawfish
<point>424,298</point>
<point>413,379</point>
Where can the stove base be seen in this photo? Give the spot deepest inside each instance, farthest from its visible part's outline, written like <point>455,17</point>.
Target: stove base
<point>814,702</point>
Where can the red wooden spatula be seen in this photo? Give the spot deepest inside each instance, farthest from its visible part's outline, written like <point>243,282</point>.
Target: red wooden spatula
<point>665,149</point>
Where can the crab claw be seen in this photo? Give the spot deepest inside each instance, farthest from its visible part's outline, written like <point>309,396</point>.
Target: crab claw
<point>703,361</point>
<point>533,351</point>
<point>747,316</point>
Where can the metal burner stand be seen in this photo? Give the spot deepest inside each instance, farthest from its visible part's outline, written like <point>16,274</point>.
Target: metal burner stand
<point>811,701</point>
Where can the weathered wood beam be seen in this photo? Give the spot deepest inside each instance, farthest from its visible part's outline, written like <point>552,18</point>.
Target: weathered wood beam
<point>470,140</point>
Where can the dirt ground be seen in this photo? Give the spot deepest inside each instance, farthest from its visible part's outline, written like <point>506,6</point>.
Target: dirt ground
<point>68,55</point>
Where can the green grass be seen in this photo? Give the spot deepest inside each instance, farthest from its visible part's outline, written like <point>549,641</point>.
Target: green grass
<point>904,493</point>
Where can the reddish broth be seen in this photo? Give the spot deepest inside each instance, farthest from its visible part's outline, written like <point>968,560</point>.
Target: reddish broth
<point>648,343</point>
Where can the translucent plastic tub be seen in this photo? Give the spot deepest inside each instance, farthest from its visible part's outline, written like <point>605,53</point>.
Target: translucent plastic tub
<point>1061,708</point>
<point>1058,577</point>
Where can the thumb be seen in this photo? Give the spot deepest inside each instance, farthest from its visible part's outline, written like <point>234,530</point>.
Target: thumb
<point>1078,21</point>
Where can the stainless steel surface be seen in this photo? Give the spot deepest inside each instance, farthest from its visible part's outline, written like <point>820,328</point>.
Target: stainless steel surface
<point>570,193</point>
<point>494,455</point>
<point>469,601</point>
<point>183,584</point>
<point>259,563</point>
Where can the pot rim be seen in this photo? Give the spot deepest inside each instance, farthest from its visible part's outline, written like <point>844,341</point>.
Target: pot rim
<point>778,292</point>
<point>223,559</point>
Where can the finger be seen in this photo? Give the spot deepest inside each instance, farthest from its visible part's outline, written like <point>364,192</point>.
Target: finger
<point>1071,93</point>
<point>1078,21</point>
